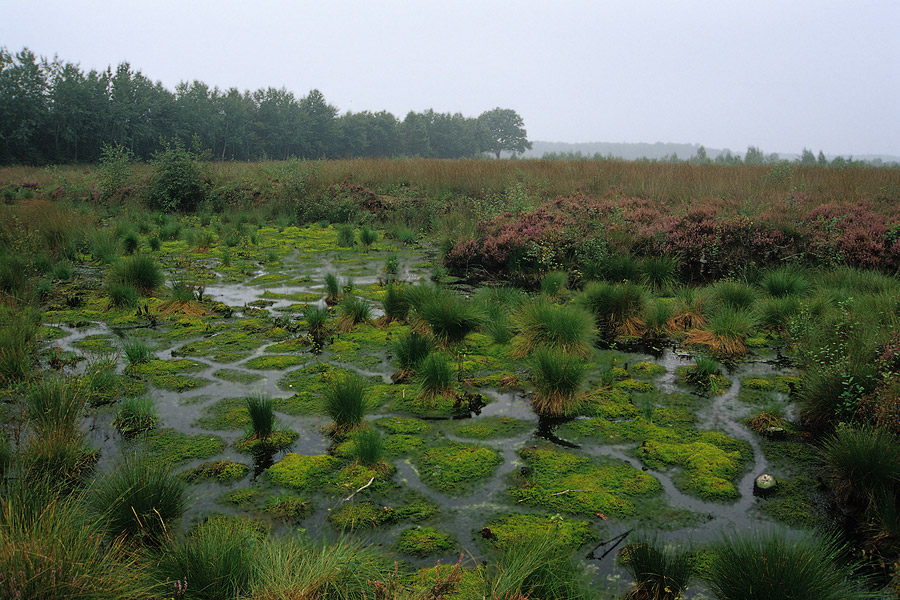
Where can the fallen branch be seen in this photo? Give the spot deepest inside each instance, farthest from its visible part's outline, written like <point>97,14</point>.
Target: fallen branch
<point>350,497</point>
<point>570,491</point>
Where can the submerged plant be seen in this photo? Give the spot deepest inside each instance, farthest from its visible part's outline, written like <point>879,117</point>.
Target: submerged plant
<point>557,376</point>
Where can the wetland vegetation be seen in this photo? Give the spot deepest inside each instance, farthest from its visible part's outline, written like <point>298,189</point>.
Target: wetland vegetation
<point>448,379</point>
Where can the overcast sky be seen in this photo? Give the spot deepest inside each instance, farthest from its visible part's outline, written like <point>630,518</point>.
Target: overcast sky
<point>781,75</point>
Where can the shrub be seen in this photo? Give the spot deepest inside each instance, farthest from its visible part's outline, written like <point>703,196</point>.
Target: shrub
<point>543,324</point>
<point>140,499</point>
<point>115,169</point>
<point>556,377</point>
<point>772,565</point>
<point>435,376</point>
<point>345,402</point>
<point>140,272</point>
<point>176,181</point>
<point>135,415</point>
<point>216,561</point>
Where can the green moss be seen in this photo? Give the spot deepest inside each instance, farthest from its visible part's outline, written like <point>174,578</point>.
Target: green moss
<point>646,369</point>
<point>491,427</point>
<point>178,383</point>
<point>295,296</point>
<point>223,471</point>
<point>758,383</point>
<point>403,425</point>
<point>287,506</point>
<point>424,541</point>
<point>294,345</point>
<point>97,344</point>
<point>174,447</point>
<point>564,482</point>
<point>269,279</point>
<point>795,503</point>
<point>609,403</point>
<point>301,471</point>
<point>635,386</point>
<point>354,476</point>
<point>49,334</point>
<point>685,375</point>
<point>416,508</point>
<point>241,496</point>
<point>401,444</point>
<point>278,440</point>
<point>708,469</point>
<point>225,347</point>
<point>274,362</point>
<point>235,376</point>
<point>469,581</point>
<point>302,403</point>
<point>512,529</point>
<point>225,415</point>
<point>158,368</point>
<point>453,467</point>
<point>354,516</point>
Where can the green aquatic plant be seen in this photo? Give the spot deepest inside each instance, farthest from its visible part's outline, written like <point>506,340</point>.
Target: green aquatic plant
<point>434,376</point>
<point>122,295</point>
<point>734,295</point>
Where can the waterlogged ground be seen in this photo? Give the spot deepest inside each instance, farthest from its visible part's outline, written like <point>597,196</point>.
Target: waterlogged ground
<point>648,451</point>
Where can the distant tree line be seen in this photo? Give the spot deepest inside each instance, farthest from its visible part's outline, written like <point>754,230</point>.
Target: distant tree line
<point>53,112</point>
<point>753,156</point>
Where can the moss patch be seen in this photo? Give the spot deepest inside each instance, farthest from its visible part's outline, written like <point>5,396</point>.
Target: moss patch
<point>301,471</point>
<point>512,529</point>
<point>491,427</point>
<point>175,447</point>
<point>287,506</point>
<point>564,482</point>
<point>708,469</point>
<point>225,347</point>
<point>424,541</point>
<point>403,425</point>
<point>235,376</point>
<point>606,402</point>
<point>96,344</point>
<point>225,415</point>
<point>222,471</point>
<point>359,515</point>
<point>635,386</point>
<point>646,369</point>
<point>274,362</point>
<point>241,497</point>
<point>401,444</point>
<point>795,503</point>
<point>453,467</point>
<point>278,440</point>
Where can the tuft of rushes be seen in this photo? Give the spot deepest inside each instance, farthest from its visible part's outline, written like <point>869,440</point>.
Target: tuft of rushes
<point>136,415</point>
<point>139,271</point>
<point>557,376</point>
<point>137,352</point>
<point>353,311</point>
<point>368,447</point>
<point>543,324</point>
<point>345,402</point>
<point>435,376</point>
<point>659,572</point>
<point>262,416</point>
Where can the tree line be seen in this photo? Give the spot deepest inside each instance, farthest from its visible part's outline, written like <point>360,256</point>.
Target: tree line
<point>53,112</point>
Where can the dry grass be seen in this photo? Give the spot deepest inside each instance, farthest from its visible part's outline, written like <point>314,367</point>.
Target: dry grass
<point>720,346</point>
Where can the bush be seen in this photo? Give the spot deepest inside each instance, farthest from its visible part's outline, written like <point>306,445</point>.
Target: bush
<point>176,181</point>
<point>140,499</point>
<point>140,272</point>
<point>115,169</point>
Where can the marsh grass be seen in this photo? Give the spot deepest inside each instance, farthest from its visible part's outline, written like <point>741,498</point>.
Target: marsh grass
<point>346,235</point>
<point>769,564</point>
<point>689,309</point>
<point>141,499</point>
<point>660,273</point>
<point>62,457</point>
<point>543,324</point>
<point>557,377</point>
<point>345,402</point>
<point>785,281</point>
<point>333,289</point>
<point>395,304</point>
<point>136,415</point>
<point>553,284</point>
<point>368,447</point>
<point>617,308</point>
<point>367,236</point>
<point>660,572</point>
<point>262,416</point>
<point>865,463</point>
<point>776,313</point>
<point>657,316</point>
<point>139,271</point>
<point>450,318</point>
<point>734,295</point>
<point>122,295</point>
<point>728,328</point>
<point>103,247</point>
<point>353,311</point>
<point>410,350</point>
<point>536,567</point>
<point>619,268</point>
<point>51,549</point>
<point>434,377</point>
<point>54,404</point>
<point>18,330</point>
<point>216,561</point>
<point>136,351</point>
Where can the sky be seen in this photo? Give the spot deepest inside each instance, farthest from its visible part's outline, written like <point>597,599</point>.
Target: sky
<point>779,75</point>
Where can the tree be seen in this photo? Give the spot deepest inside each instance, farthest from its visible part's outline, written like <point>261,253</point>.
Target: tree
<point>754,156</point>
<point>502,129</point>
<point>807,158</point>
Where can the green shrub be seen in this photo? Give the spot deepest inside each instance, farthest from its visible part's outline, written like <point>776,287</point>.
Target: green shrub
<point>115,169</point>
<point>176,181</point>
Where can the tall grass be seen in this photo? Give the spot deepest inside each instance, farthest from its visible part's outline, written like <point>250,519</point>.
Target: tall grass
<point>141,499</point>
<point>734,295</point>
<point>136,415</point>
<point>557,376</point>
<point>411,349</point>
<point>137,352</point>
<point>536,567</point>
<point>864,461</point>
<point>450,318</point>
<point>332,289</point>
<point>140,272</point>
<point>660,273</point>
<point>345,402</point>
<point>395,303</point>
<point>660,572</point>
<point>774,565</point>
<point>353,311</point>
<point>217,561</point>
<point>541,323</point>
<point>785,281</point>
<point>51,549</point>
<point>553,284</point>
<point>368,447</point>
<point>54,404</point>
<point>435,376</point>
<point>262,416</point>
<point>18,329</point>
<point>617,308</point>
